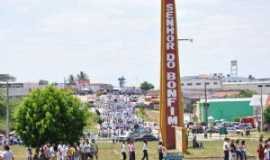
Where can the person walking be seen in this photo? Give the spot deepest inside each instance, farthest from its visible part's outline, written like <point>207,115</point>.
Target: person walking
<point>29,154</point>
<point>88,151</point>
<point>160,151</point>
<point>77,152</point>
<point>7,154</point>
<point>260,152</point>
<point>232,154</point>
<point>82,150</point>
<point>266,151</point>
<point>238,152</point>
<point>226,148</point>
<point>123,151</point>
<point>70,153</point>
<point>131,150</point>
<point>243,150</point>
<point>145,150</point>
<point>94,149</point>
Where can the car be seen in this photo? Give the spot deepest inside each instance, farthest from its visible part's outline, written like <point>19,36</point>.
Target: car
<point>123,137</point>
<point>147,137</point>
<point>212,130</point>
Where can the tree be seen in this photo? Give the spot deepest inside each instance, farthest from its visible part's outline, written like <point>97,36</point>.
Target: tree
<point>2,107</point>
<point>71,79</point>
<point>50,115</point>
<point>82,76</point>
<point>146,86</point>
<point>246,93</point>
<point>266,115</point>
<point>43,82</point>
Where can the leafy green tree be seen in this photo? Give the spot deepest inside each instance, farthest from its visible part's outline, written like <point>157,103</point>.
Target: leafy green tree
<point>2,107</point>
<point>246,93</point>
<point>146,86</point>
<point>266,115</point>
<point>50,115</point>
<point>82,76</point>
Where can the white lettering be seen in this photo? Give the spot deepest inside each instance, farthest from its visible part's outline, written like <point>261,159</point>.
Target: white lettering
<point>170,46</point>
<point>171,93</point>
<point>170,38</point>
<point>171,76</point>
<point>170,57</point>
<point>171,84</point>
<point>171,65</point>
<point>172,120</point>
<point>170,101</point>
<point>172,111</point>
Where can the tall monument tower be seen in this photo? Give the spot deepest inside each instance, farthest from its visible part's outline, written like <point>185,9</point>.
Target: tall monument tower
<point>171,101</point>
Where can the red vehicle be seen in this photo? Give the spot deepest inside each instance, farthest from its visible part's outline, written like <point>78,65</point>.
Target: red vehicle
<point>249,120</point>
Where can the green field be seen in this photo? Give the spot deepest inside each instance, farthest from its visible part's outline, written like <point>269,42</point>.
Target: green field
<point>109,151</point>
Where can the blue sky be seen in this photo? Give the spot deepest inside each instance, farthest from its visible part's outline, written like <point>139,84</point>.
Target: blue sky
<point>107,39</point>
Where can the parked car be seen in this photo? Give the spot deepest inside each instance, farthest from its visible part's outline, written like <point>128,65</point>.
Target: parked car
<point>147,137</point>
<point>123,137</point>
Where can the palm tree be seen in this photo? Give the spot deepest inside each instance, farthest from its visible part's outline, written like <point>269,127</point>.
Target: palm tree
<point>71,79</point>
<point>82,76</point>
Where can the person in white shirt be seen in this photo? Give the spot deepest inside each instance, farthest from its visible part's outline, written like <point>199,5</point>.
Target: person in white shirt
<point>226,148</point>
<point>87,150</point>
<point>145,150</point>
<point>123,151</point>
<point>266,152</point>
<point>7,155</point>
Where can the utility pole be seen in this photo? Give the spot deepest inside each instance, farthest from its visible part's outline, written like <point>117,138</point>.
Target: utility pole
<point>7,110</point>
<point>206,105</point>
<point>261,101</point>
<point>7,78</point>
<point>262,108</point>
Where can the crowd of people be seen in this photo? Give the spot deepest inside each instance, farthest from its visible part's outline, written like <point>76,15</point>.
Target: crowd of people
<point>234,149</point>
<point>118,115</point>
<point>86,150</point>
<point>263,149</point>
<point>130,148</point>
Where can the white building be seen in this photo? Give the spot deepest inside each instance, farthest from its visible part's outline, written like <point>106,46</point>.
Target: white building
<point>100,87</point>
<point>17,90</point>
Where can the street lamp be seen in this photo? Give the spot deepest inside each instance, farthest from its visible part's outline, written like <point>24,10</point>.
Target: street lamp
<point>7,78</point>
<point>186,39</point>
<point>261,101</point>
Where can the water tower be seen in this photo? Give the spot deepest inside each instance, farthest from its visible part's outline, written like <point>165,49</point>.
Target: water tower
<point>234,68</point>
<point>122,82</point>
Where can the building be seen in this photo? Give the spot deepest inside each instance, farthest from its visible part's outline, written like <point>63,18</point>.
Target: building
<point>219,82</point>
<point>131,90</point>
<point>198,82</point>
<point>249,85</point>
<point>100,87</point>
<point>225,109</point>
<point>17,90</point>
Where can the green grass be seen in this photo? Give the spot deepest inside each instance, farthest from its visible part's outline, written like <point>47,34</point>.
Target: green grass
<point>109,151</point>
<point>214,148</point>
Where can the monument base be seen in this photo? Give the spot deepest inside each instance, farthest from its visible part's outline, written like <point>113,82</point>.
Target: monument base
<point>181,139</point>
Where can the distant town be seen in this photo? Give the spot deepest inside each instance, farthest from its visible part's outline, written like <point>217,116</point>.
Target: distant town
<point>242,93</point>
